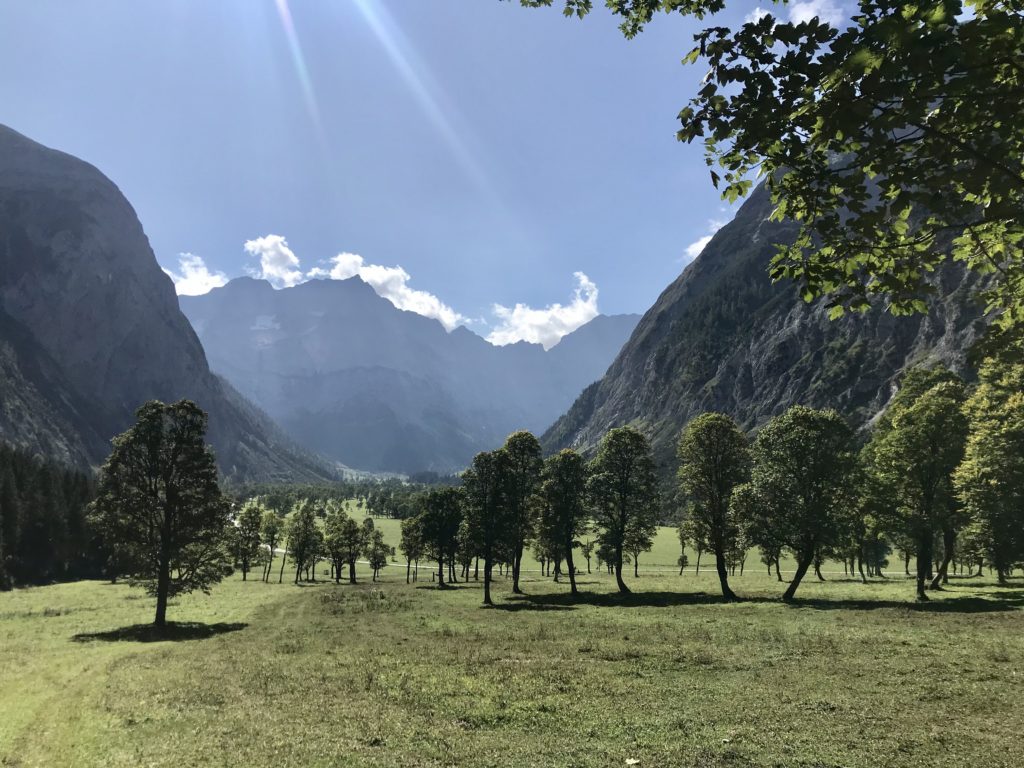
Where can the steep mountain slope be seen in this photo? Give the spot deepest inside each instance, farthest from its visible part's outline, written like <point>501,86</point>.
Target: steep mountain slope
<point>349,375</point>
<point>723,338</point>
<point>90,326</point>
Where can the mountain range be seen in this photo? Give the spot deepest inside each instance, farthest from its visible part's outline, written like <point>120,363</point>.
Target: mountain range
<point>90,326</point>
<point>354,378</point>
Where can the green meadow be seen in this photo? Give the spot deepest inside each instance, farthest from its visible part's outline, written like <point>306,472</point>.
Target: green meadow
<point>390,674</point>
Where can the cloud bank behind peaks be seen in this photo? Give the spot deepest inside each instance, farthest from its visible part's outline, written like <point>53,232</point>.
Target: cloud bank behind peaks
<point>393,284</point>
<point>193,278</point>
<point>546,326</point>
<point>278,263</point>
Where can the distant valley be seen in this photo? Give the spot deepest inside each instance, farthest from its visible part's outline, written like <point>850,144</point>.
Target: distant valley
<point>352,377</point>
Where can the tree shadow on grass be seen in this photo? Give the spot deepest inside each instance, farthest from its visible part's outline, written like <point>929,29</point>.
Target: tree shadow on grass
<point>1007,600</point>
<point>150,633</point>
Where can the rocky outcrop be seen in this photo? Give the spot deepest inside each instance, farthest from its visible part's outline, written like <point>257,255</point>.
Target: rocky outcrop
<point>90,326</point>
<point>722,337</point>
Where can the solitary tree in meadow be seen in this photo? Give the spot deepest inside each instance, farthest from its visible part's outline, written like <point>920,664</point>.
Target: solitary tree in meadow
<point>714,458</point>
<point>159,500</point>
<point>800,483</point>
<point>563,499</point>
<point>623,493</point>
<point>377,552</point>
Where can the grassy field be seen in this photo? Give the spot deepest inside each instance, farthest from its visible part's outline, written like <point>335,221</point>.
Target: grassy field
<point>397,675</point>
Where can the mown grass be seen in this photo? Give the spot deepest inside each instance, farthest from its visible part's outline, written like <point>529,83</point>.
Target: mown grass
<point>397,675</point>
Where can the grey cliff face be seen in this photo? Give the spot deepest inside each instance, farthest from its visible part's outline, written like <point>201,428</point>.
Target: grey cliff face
<point>92,324</point>
<point>723,338</point>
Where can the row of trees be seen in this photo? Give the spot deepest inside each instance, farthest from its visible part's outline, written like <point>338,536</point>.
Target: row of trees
<point>260,533</point>
<point>512,496</point>
<point>942,467</point>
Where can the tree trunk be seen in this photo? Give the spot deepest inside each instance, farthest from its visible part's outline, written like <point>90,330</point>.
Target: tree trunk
<point>476,569</point>
<point>572,569</point>
<point>163,588</point>
<point>517,563</point>
<point>906,564</point>
<point>618,573</point>
<point>801,570</point>
<point>408,571</point>
<point>817,571</point>
<point>860,567</point>
<point>440,572</point>
<point>778,571</point>
<point>948,545</point>
<point>924,564</point>
<point>352,571</point>
<point>723,574</point>
<point>636,567</point>
<point>487,579</point>
<point>284,559</point>
<point>697,572</point>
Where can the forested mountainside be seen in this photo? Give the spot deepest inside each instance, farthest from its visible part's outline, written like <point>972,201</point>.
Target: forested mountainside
<point>90,326</point>
<point>349,375</point>
<point>723,338</point>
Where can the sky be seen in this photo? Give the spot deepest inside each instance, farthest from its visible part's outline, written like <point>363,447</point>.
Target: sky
<point>481,163</point>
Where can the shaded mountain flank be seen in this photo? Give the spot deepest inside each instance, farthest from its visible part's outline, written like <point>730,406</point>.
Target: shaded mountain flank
<point>723,338</point>
<point>90,326</point>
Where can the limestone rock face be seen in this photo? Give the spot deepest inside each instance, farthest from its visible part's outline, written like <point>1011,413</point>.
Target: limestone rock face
<point>723,338</point>
<point>90,326</point>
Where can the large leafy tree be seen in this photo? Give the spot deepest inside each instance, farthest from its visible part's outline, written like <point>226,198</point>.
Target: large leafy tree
<point>913,453</point>
<point>488,523</point>
<point>623,492</point>
<point>714,458</point>
<point>895,139</point>
<point>563,506</point>
<point>800,483</point>
<point>161,507</point>
<point>411,544</point>
<point>525,465</point>
<point>990,480</point>
<point>305,541</point>
<point>271,526</point>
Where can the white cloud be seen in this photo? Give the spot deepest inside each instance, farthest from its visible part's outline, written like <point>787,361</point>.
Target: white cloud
<point>393,284</point>
<point>546,326</point>
<point>193,277</point>
<point>278,263</point>
<point>756,15</point>
<point>694,249</point>
<point>827,11</point>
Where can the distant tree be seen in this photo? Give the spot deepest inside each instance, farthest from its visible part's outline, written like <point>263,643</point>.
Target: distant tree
<point>302,533</point>
<point>247,535</point>
<point>440,516</point>
<point>913,453</point>
<point>487,522</point>
<point>587,550</point>
<point>990,480</point>
<point>803,462</point>
<point>525,466</point>
<point>623,492</point>
<point>377,552</point>
<point>270,536</point>
<point>351,542</point>
<point>412,545</point>
<point>564,516</point>
<point>159,501</point>
<point>714,458</point>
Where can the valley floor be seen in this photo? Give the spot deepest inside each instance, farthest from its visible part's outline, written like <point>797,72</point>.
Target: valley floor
<point>393,675</point>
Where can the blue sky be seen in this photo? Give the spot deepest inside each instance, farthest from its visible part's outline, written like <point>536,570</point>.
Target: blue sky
<point>498,155</point>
